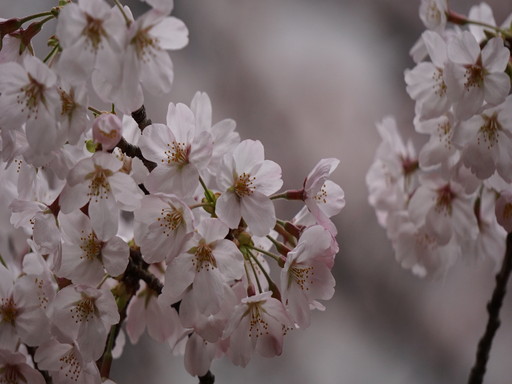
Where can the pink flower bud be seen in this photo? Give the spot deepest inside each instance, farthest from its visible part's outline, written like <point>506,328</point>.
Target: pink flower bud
<point>504,210</point>
<point>106,130</point>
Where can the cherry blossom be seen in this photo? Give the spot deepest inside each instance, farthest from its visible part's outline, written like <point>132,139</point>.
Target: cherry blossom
<point>247,179</point>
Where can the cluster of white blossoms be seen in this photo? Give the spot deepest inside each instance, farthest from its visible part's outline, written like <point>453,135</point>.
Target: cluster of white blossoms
<point>108,220</point>
<point>453,197</point>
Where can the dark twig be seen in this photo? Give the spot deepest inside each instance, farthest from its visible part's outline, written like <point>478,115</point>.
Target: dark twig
<point>131,150</point>
<point>493,307</point>
<point>137,268</point>
<point>209,378</point>
<point>140,117</point>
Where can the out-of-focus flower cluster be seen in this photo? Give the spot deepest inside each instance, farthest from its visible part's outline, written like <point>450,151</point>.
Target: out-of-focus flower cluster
<point>108,219</point>
<point>450,199</point>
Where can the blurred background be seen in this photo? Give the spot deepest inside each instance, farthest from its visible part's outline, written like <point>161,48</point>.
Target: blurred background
<point>310,79</point>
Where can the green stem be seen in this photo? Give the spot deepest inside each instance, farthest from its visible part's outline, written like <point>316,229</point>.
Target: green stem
<point>51,54</point>
<point>200,205</point>
<point>94,110</point>
<point>37,15</point>
<point>254,272</point>
<point>120,6</point>
<point>207,192</point>
<point>275,257</point>
<point>3,261</point>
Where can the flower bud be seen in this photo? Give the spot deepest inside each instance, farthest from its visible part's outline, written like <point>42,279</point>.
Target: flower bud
<point>106,130</point>
<point>503,210</point>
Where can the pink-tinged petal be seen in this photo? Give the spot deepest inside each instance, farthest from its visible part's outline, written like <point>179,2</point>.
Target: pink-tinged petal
<point>201,106</point>
<point>81,171</point>
<point>226,176</point>
<point>91,340</point>
<point>104,216</point>
<point>212,229</point>
<point>179,275</point>
<point>334,201</point>
<point>229,259</point>
<point>23,211</point>
<point>136,318</point>
<point>156,74</point>
<point>438,224</point>
<point>162,321</point>
<point>259,213</point>
<point>240,346</point>
<point>296,301</point>
<point>171,32</point>
<point>179,181</point>
<point>115,254</point>
<point>320,216</point>
<point>153,142</point>
<point>495,56</point>
<point>496,88</point>
<point>106,306</point>
<point>198,355</point>
<point>270,344</point>
<point>73,198</point>
<point>76,267</point>
<point>107,160</point>
<point>436,47</point>
<point>248,154</point>
<point>76,63</point>
<point>268,178</point>
<point>322,282</point>
<point>228,209</point>
<point>126,191</point>
<point>319,174</point>
<point>73,226</point>
<point>181,122</point>
<point>208,290</point>
<point>201,150</point>
<point>463,49</point>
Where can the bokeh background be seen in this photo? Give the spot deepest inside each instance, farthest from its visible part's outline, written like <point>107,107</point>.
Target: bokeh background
<point>310,79</point>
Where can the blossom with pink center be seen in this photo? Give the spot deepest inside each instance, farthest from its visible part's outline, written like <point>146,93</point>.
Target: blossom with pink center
<point>66,364</point>
<point>100,181</point>
<point>425,82</point>
<point>15,370</point>
<point>21,314</point>
<point>444,209</point>
<point>85,315</point>
<point>485,141</point>
<point>86,255</point>
<point>306,275</point>
<point>259,323</point>
<point>323,197</point>
<point>29,96</point>
<point>86,32</point>
<point>247,180</point>
<point>161,321</point>
<point>144,62</point>
<point>163,224</point>
<point>179,150</point>
<point>474,76</point>
<point>209,265</point>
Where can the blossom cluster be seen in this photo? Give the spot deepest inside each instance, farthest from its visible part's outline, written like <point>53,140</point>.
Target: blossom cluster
<point>452,198</point>
<point>108,219</point>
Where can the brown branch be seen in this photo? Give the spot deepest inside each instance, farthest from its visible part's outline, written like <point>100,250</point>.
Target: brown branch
<point>209,378</point>
<point>131,150</point>
<point>493,307</point>
<point>140,118</point>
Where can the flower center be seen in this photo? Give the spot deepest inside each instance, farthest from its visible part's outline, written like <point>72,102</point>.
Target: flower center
<point>144,44</point>
<point>71,365</point>
<point>474,77</point>
<point>99,186</point>
<point>302,275</point>
<point>244,185</point>
<point>257,325</point>
<point>177,154</point>
<point>10,374</point>
<point>203,257</point>
<point>31,96</point>
<point>490,130</point>
<point>321,196</point>
<point>433,13</point>
<point>84,310</point>
<point>444,200</point>
<point>67,100</point>
<point>8,310</point>
<point>171,219</point>
<point>444,130</point>
<point>94,32</point>
<point>440,86</point>
<point>91,246</point>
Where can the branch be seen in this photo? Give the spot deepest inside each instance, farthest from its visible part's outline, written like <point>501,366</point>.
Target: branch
<point>209,378</point>
<point>140,117</point>
<point>131,150</point>
<point>493,307</point>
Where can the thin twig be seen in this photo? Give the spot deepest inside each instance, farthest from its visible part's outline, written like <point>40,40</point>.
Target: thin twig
<point>493,307</point>
<point>208,378</point>
<point>140,117</point>
<point>131,150</point>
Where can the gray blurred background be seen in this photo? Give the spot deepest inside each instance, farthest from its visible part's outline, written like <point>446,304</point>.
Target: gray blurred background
<point>310,79</point>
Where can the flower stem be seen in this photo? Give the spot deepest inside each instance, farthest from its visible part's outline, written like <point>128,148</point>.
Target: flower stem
<point>208,194</point>
<point>51,54</point>
<point>493,307</point>
<point>36,16</point>
<point>120,6</point>
<point>276,258</point>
